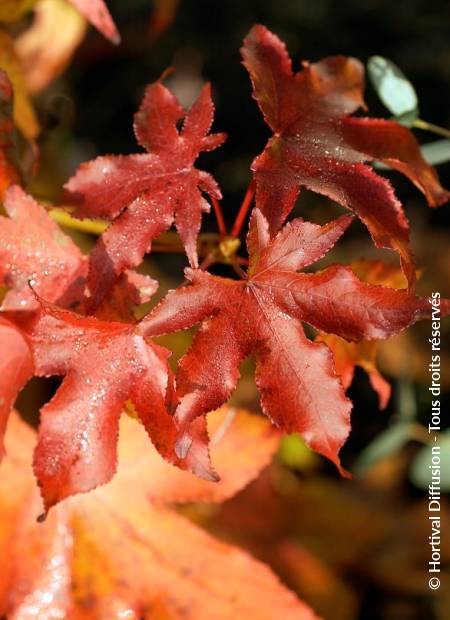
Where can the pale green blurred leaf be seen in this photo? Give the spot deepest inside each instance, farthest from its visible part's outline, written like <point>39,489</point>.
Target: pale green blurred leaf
<point>394,89</point>
<point>420,472</point>
<point>437,152</point>
<point>388,443</point>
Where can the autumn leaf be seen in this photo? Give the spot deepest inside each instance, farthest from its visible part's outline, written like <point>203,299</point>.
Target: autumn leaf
<point>96,12</point>
<point>57,21</point>
<point>24,114</point>
<point>34,251</point>
<point>145,194</point>
<point>348,355</point>
<point>122,550</point>
<point>262,314</point>
<point>104,364</point>
<point>131,289</point>
<point>318,145</point>
<point>37,258</point>
<point>16,367</point>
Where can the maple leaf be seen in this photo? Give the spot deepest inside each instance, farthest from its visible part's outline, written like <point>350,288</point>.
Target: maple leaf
<point>145,194</point>
<point>34,250</point>
<point>16,367</point>
<point>121,550</point>
<point>348,355</point>
<point>104,364</point>
<point>318,145</point>
<point>262,314</point>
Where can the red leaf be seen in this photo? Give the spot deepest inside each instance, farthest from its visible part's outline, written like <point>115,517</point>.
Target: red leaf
<point>145,194</point>
<point>262,314</point>
<point>16,367</point>
<point>104,365</point>
<point>317,145</point>
<point>97,14</point>
<point>34,250</point>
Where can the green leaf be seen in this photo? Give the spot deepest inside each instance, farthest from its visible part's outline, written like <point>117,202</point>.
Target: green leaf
<point>420,472</point>
<point>394,89</point>
<point>437,152</point>
<point>386,444</point>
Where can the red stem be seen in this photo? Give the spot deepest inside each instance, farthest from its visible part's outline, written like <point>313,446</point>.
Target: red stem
<point>240,219</point>
<point>219,216</point>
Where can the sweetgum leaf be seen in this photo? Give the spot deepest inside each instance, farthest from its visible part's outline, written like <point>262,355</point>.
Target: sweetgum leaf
<point>37,258</point>
<point>34,250</point>
<point>145,194</point>
<point>121,551</point>
<point>262,314</point>
<point>318,145</point>
<point>16,367</point>
<point>104,364</point>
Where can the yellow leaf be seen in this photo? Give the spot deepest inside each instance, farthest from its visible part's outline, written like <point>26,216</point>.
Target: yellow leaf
<point>24,114</point>
<point>55,21</point>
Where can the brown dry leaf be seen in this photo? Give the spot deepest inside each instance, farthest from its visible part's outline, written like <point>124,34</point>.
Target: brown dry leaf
<point>121,552</point>
<point>24,114</point>
<point>55,21</point>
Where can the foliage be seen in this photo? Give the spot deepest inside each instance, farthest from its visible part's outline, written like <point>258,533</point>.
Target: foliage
<point>73,315</point>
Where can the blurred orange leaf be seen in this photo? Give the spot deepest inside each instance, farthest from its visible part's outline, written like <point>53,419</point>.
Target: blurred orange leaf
<point>348,355</point>
<point>121,552</point>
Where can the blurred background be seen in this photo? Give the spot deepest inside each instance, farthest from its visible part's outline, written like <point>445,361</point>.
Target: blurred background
<point>353,549</point>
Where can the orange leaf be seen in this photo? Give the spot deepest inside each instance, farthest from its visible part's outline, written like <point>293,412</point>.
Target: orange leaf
<point>348,355</point>
<point>117,552</point>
